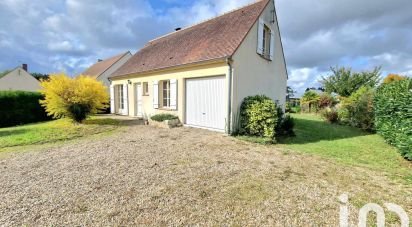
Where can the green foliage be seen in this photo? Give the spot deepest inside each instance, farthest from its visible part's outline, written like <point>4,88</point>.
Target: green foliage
<point>345,82</point>
<point>326,100</point>
<point>285,126</point>
<point>258,117</point>
<point>330,115</point>
<point>75,98</point>
<point>393,114</point>
<point>40,76</point>
<point>21,107</point>
<point>310,101</point>
<point>163,117</point>
<point>359,109</point>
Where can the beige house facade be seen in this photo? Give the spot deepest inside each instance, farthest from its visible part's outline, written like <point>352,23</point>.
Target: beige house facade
<point>19,80</point>
<point>202,73</point>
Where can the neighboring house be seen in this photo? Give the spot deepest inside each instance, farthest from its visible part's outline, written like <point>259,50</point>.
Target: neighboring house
<point>19,80</point>
<point>202,73</point>
<point>103,69</point>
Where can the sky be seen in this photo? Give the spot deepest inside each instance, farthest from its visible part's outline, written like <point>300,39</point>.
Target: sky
<point>70,35</point>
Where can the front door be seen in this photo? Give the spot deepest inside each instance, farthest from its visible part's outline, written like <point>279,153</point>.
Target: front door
<point>139,100</point>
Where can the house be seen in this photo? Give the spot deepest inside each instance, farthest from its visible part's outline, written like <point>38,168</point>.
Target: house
<point>202,73</point>
<point>102,69</point>
<point>19,80</point>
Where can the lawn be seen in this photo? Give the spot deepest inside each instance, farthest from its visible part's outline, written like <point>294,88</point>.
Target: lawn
<point>53,131</point>
<point>346,145</point>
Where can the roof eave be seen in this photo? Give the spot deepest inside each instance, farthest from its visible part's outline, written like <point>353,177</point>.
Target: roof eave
<point>183,66</point>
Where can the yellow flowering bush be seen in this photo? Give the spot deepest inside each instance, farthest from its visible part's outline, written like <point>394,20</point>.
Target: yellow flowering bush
<point>75,98</point>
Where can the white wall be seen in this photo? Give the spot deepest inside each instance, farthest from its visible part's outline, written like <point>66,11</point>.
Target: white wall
<point>19,79</point>
<point>104,76</point>
<point>254,75</point>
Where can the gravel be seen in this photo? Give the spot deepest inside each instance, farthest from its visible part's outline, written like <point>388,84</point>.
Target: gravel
<point>149,176</point>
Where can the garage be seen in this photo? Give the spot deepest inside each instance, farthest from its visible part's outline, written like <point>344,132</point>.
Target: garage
<point>206,102</point>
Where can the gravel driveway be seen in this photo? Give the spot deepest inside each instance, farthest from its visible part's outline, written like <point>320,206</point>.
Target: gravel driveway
<point>149,176</point>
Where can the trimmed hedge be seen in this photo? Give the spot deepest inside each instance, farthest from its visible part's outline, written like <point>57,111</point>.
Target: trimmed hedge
<point>258,117</point>
<point>393,114</point>
<point>21,107</point>
<point>163,117</point>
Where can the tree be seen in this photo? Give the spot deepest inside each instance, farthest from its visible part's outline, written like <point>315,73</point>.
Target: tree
<point>344,82</point>
<point>75,98</point>
<point>290,92</point>
<point>393,77</point>
<point>40,76</point>
<point>310,99</point>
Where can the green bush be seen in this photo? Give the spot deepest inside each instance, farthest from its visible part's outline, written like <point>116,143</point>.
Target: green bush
<point>285,126</point>
<point>163,117</point>
<point>78,112</point>
<point>393,114</point>
<point>258,117</point>
<point>21,107</point>
<point>331,115</point>
<point>359,109</point>
<point>326,100</point>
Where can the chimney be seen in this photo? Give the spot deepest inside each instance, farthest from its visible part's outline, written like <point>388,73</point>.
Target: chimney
<point>24,66</point>
<point>178,29</point>
<point>99,60</point>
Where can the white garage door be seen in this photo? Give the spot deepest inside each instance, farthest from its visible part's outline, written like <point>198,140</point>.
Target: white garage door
<point>205,102</point>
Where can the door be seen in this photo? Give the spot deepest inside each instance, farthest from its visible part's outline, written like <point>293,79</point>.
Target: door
<point>206,102</point>
<point>139,100</point>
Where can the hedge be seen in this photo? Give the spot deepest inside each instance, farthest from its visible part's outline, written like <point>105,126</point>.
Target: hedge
<point>258,117</point>
<point>21,107</point>
<point>393,114</point>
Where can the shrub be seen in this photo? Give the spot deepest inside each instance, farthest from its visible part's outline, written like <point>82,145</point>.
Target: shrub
<point>21,107</point>
<point>393,77</point>
<point>163,117</point>
<point>73,98</point>
<point>286,125</point>
<point>326,100</point>
<point>258,117</point>
<point>359,109</point>
<point>393,114</point>
<point>295,109</point>
<point>331,115</point>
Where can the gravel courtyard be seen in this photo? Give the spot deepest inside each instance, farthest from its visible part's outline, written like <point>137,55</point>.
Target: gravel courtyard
<point>149,177</point>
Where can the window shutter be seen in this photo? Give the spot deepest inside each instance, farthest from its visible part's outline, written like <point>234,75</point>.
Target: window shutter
<point>173,94</point>
<point>272,45</point>
<point>125,99</point>
<point>261,27</point>
<point>156,94</point>
<point>112,99</point>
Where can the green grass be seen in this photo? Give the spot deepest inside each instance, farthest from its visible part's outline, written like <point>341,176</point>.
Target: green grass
<point>344,144</point>
<point>347,145</point>
<point>53,131</point>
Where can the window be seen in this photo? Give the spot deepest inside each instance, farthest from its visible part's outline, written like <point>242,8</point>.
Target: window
<point>266,41</point>
<point>166,93</point>
<point>120,96</point>
<point>145,88</point>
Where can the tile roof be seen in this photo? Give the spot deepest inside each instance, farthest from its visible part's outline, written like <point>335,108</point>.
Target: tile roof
<point>216,38</point>
<point>100,67</point>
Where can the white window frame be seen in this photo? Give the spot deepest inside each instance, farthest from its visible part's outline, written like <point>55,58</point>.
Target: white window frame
<point>266,41</point>
<point>120,96</point>
<point>166,89</point>
<point>145,88</point>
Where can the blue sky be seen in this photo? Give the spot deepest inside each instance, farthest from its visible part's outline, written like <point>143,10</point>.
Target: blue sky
<point>69,35</point>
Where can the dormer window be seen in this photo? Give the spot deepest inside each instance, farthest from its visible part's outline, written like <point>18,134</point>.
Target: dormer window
<point>266,41</point>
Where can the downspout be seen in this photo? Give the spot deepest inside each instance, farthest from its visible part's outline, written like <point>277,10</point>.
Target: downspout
<point>229,95</point>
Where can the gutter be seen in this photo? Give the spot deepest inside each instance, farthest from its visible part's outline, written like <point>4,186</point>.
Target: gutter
<point>229,61</point>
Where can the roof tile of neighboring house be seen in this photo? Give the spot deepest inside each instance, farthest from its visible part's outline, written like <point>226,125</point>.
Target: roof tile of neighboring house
<point>100,67</point>
<point>216,38</point>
